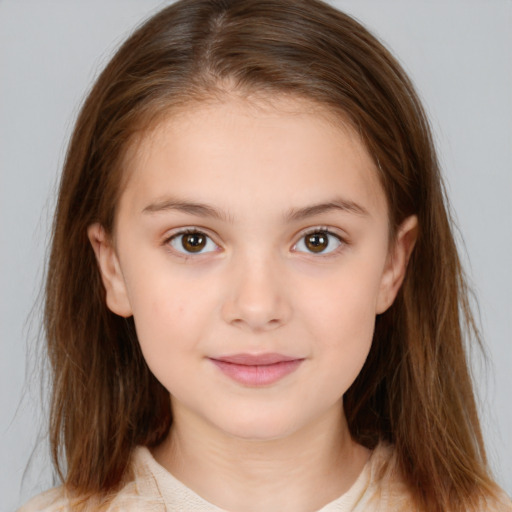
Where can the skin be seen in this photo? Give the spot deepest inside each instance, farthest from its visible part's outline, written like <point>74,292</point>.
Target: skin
<point>255,288</point>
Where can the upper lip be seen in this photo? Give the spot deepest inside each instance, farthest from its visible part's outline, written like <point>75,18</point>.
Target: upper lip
<point>255,359</point>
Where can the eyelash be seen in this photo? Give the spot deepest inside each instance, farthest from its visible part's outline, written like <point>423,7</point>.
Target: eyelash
<point>324,231</point>
<point>189,231</point>
<point>314,231</point>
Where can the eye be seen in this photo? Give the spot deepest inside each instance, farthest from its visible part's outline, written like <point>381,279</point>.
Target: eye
<point>192,242</point>
<point>318,242</point>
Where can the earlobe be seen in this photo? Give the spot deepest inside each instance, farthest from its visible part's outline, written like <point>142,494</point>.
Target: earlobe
<point>111,275</point>
<point>396,266</point>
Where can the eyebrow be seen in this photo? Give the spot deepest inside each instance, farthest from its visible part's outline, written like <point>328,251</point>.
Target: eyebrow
<point>190,207</point>
<point>339,204</point>
<point>294,214</point>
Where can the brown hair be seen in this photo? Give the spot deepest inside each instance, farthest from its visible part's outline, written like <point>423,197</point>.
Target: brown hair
<point>414,390</point>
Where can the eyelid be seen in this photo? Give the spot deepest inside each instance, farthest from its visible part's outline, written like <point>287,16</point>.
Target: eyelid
<point>176,233</point>
<point>334,232</point>
<point>171,233</point>
<point>321,229</point>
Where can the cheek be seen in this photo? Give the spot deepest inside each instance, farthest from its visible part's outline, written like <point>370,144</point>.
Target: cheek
<point>345,301</point>
<point>171,316</point>
<point>342,320</point>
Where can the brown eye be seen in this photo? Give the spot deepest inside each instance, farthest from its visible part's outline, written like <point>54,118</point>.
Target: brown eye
<point>194,242</point>
<point>318,242</point>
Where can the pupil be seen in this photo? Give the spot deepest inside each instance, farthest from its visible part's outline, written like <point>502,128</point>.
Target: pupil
<point>193,242</point>
<point>317,242</point>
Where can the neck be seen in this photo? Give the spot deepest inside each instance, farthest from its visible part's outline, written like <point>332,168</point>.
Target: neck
<point>302,472</point>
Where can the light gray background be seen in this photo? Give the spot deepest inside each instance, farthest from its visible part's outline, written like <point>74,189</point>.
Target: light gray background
<point>459,54</point>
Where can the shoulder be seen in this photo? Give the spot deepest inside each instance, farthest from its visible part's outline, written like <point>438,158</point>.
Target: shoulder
<point>138,492</point>
<point>388,489</point>
<point>126,499</point>
<point>54,500</point>
<point>502,503</point>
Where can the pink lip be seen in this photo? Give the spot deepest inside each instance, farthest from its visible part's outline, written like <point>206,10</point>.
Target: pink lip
<point>256,370</point>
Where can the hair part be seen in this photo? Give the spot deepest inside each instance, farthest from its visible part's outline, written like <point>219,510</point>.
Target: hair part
<point>415,389</point>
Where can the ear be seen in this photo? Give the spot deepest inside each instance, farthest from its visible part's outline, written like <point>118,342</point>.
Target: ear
<point>108,263</point>
<point>396,265</point>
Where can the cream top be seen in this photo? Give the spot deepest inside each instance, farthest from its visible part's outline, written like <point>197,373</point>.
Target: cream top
<point>379,488</point>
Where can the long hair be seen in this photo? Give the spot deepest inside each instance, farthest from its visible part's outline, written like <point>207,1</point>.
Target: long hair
<point>415,389</point>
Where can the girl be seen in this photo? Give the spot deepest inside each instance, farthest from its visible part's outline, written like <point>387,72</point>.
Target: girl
<point>254,300</point>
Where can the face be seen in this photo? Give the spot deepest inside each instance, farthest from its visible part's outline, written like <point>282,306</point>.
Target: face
<point>251,247</point>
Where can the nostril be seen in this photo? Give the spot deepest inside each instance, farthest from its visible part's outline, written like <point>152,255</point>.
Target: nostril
<point>257,299</point>
<point>256,324</point>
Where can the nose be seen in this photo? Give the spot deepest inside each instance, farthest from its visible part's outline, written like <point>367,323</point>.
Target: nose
<point>257,297</point>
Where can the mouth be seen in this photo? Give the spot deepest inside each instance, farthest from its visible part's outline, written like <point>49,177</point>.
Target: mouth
<point>256,370</point>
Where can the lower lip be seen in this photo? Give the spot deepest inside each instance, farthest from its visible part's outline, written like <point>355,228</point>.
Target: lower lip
<point>257,375</point>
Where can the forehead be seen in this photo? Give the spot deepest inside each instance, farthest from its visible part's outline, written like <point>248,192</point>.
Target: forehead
<point>286,150</point>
